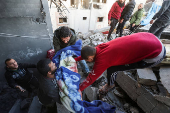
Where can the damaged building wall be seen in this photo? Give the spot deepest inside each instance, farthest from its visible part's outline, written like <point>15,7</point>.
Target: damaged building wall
<point>92,16</point>
<point>24,32</point>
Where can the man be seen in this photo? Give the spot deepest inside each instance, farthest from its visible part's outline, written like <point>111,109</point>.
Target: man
<point>19,77</point>
<point>139,50</point>
<point>64,37</point>
<point>136,18</point>
<point>48,93</point>
<point>114,15</point>
<point>163,19</point>
<point>126,14</point>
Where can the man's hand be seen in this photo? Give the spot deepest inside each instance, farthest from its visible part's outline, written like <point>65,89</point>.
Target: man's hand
<point>21,89</point>
<point>133,25</point>
<point>151,22</point>
<point>109,22</point>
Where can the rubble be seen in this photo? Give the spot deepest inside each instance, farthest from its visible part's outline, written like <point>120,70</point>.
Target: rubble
<point>163,99</point>
<point>165,77</point>
<point>146,76</point>
<point>92,38</point>
<point>140,94</point>
<point>91,93</point>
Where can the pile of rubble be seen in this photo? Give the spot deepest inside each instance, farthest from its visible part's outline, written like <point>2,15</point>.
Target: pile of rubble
<point>94,38</point>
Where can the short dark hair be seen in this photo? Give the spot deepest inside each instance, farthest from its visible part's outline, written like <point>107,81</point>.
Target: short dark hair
<point>42,66</point>
<point>8,59</point>
<point>88,51</point>
<point>64,32</point>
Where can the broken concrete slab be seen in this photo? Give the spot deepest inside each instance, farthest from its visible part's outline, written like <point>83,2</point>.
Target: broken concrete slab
<point>87,35</point>
<point>146,77</point>
<point>102,29</point>
<point>86,42</point>
<point>163,99</point>
<point>142,96</point>
<point>165,77</point>
<point>91,93</point>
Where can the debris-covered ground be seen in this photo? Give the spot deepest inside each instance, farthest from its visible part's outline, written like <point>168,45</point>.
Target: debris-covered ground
<point>149,90</point>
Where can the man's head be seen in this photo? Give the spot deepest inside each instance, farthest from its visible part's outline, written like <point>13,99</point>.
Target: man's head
<point>46,67</point>
<point>140,6</point>
<point>65,34</point>
<point>121,1</point>
<point>11,64</point>
<point>88,53</point>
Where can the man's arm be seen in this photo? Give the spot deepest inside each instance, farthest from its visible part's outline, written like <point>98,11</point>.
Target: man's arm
<point>111,10</point>
<point>164,7</point>
<point>98,69</point>
<point>78,58</point>
<point>56,44</point>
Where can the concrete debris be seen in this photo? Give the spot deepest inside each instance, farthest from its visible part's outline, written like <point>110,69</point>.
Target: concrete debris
<point>146,77</point>
<point>141,95</point>
<point>134,110</point>
<point>87,35</point>
<point>165,77</point>
<point>102,29</point>
<point>91,93</point>
<point>119,93</point>
<point>86,42</point>
<point>162,90</point>
<point>92,39</point>
<point>163,99</point>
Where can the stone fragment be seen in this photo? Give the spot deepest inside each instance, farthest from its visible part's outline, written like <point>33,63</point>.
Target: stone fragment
<point>165,77</point>
<point>96,36</point>
<point>91,93</point>
<point>102,29</point>
<point>146,77</point>
<point>163,99</point>
<point>86,42</point>
<point>87,35</point>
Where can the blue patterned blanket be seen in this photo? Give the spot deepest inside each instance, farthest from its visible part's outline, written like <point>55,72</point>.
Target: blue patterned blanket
<point>69,80</point>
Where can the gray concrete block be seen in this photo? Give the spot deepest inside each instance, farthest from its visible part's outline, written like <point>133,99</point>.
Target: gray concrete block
<point>91,93</point>
<point>86,42</point>
<point>165,77</point>
<point>127,84</point>
<point>163,99</point>
<point>161,108</point>
<point>146,102</point>
<point>146,76</point>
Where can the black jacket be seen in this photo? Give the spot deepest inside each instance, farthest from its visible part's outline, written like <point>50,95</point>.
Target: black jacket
<point>48,92</point>
<point>19,77</point>
<point>164,12</point>
<point>127,11</point>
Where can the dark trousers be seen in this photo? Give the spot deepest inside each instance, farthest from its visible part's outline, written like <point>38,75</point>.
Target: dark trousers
<point>120,28</point>
<point>132,28</point>
<point>112,24</point>
<point>158,26</point>
<point>112,71</point>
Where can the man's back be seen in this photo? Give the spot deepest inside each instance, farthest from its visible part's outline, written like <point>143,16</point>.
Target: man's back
<point>129,49</point>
